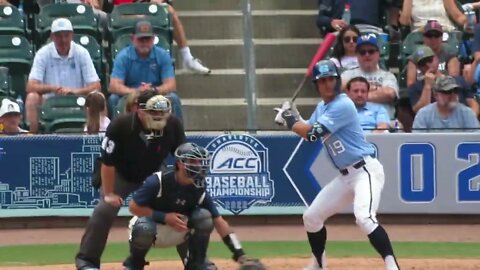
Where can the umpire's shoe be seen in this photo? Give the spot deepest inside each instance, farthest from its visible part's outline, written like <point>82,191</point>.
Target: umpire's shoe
<point>89,268</point>
<point>129,264</point>
<point>208,265</point>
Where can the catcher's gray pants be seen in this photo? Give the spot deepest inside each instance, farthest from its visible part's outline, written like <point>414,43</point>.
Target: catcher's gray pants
<point>98,226</point>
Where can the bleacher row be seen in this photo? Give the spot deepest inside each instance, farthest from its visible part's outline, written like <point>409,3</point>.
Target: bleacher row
<point>19,40</point>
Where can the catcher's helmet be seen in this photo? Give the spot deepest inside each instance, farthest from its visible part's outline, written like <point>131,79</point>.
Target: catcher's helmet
<point>324,68</point>
<point>196,160</point>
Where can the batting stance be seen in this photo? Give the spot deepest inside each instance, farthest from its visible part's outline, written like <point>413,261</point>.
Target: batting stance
<point>173,208</point>
<point>336,124</point>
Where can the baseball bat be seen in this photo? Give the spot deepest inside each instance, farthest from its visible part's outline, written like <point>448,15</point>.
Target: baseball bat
<point>321,52</point>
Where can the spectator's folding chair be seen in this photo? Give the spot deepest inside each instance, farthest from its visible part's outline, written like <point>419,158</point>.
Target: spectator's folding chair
<point>81,16</point>
<point>16,53</point>
<point>11,22</point>
<point>124,17</point>
<point>62,114</point>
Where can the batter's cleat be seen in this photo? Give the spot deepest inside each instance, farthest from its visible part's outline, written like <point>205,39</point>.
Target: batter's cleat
<point>89,268</point>
<point>195,65</point>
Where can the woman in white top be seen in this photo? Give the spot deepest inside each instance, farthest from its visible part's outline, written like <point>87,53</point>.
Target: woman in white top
<point>416,14</point>
<point>344,55</point>
<point>97,121</point>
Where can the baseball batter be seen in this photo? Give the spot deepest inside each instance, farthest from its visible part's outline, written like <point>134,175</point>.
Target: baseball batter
<point>336,124</point>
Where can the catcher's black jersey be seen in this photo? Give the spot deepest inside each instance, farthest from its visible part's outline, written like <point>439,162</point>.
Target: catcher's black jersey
<point>162,192</point>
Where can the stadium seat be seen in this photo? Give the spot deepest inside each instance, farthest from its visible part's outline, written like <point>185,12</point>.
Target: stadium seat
<point>124,17</point>
<point>94,49</point>
<point>62,114</point>
<point>16,53</point>
<point>5,89</point>
<point>11,22</point>
<point>81,16</point>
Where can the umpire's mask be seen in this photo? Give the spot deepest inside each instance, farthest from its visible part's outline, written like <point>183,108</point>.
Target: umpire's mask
<point>157,110</point>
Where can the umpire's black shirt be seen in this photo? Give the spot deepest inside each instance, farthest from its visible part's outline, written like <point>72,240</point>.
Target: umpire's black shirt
<point>135,157</point>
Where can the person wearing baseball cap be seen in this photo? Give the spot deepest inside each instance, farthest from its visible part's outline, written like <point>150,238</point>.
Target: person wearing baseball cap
<point>383,84</point>
<point>420,93</point>
<point>446,114</point>
<point>447,57</point>
<point>143,66</point>
<point>10,118</point>
<point>61,67</point>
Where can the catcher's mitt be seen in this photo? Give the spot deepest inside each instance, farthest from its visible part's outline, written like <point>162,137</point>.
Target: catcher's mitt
<point>251,264</point>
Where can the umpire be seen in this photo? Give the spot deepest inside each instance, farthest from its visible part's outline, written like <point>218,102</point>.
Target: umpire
<point>134,147</point>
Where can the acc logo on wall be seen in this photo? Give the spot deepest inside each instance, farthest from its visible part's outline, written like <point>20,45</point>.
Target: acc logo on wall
<point>239,177</point>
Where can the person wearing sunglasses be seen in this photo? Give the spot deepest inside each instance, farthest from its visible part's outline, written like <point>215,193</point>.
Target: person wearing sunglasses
<point>420,93</point>
<point>448,60</point>
<point>446,114</point>
<point>344,55</point>
<point>383,84</point>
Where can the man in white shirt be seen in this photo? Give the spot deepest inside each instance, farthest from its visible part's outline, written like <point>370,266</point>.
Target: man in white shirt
<point>61,67</point>
<point>383,84</point>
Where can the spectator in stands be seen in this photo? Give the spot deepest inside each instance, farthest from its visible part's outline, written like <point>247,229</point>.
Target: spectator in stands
<point>448,61</point>
<point>367,15</point>
<point>97,121</point>
<point>446,113</point>
<point>420,93</point>
<point>131,104</point>
<point>344,55</point>
<point>188,61</point>
<point>61,67</point>
<point>4,2</point>
<point>143,66</point>
<point>383,84</point>
<point>415,14</point>
<point>373,116</point>
<point>473,76</point>
<point>96,5</point>
<point>10,118</point>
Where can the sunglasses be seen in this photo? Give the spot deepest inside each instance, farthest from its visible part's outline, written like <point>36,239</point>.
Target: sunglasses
<point>432,34</point>
<point>364,52</point>
<point>350,39</point>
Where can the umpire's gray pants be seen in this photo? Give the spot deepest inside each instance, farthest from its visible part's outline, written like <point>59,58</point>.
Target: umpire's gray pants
<point>98,226</point>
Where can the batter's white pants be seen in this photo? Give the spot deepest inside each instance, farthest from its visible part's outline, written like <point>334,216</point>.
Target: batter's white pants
<point>362,187</point>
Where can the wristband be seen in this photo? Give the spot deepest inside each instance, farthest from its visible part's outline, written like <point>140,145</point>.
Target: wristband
<point>234,246</point>
<point>158,216</point>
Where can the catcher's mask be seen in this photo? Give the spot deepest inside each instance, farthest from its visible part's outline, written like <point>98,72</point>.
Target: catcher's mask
<point>196,160</point>
<point>157,110</point>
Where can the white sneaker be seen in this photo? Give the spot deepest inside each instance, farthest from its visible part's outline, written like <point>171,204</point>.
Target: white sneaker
<point>313,265</point>
<point>195,66</point>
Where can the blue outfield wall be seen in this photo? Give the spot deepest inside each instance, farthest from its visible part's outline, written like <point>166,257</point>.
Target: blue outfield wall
<point>269,174</point>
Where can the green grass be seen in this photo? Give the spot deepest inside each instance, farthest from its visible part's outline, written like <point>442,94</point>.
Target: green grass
<point>64,253</point>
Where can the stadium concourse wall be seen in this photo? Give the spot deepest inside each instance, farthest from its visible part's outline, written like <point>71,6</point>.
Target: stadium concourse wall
<point>265,177</point>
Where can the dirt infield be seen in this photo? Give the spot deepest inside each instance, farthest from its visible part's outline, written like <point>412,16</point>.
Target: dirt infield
<point>428,233</point>
<point>299,263</point>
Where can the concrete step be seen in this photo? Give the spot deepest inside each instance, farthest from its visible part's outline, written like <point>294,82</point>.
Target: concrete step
<point>266,24</point>
<point>271,83</point>
<point>273,53</point>
<point>236,4</point>
<point>214,117</point>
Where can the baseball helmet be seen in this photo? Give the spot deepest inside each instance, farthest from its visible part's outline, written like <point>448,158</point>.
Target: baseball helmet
<point>157,107</point>
<point>324,68</point>
<point>196,160</point>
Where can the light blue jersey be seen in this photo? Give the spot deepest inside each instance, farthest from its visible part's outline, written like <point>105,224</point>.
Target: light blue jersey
<point>346,143</point>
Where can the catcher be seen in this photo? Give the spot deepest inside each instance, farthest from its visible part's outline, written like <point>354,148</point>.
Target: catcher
<point>173,208</point>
